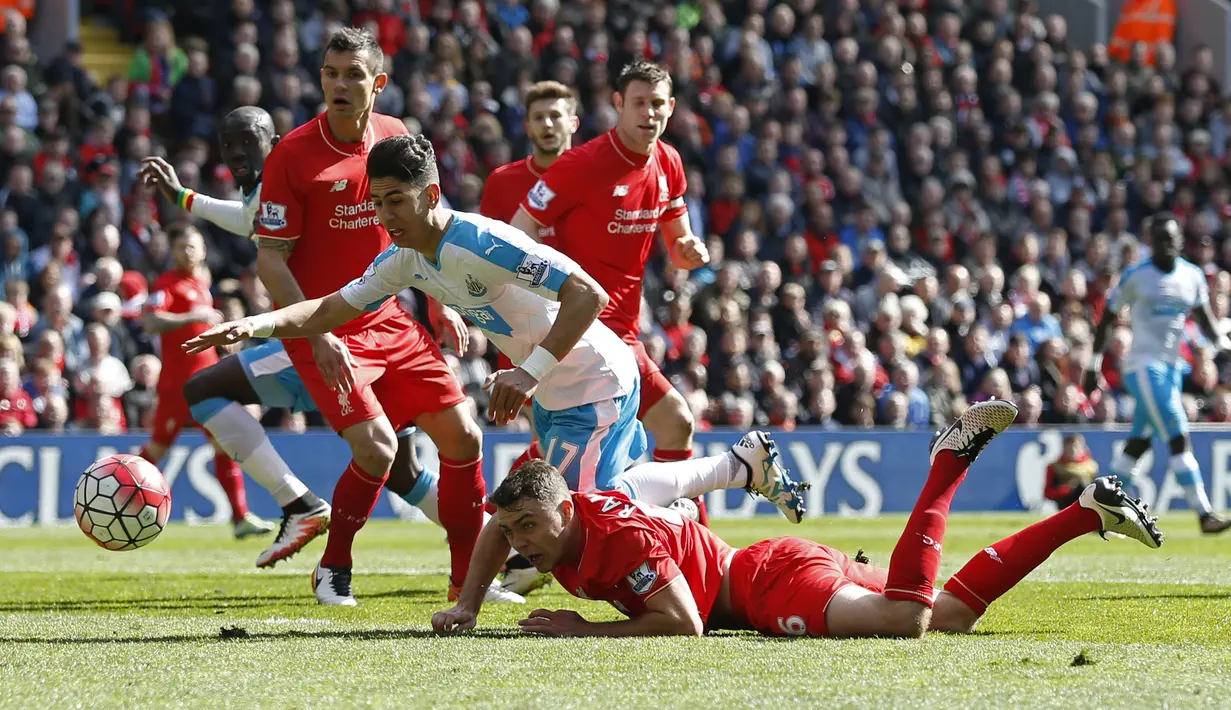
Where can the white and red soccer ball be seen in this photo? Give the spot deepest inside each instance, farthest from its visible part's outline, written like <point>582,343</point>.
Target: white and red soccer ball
<point>122,502</point>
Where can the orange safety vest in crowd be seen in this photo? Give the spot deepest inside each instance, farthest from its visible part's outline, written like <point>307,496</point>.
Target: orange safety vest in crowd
<point>1148,21</point>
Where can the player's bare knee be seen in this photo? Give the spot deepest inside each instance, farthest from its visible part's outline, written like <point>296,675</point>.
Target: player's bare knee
<point>373,446</point>
<point>671,422</point>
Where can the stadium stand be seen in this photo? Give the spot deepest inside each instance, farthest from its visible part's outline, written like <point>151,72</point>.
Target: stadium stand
<point>911,205</point>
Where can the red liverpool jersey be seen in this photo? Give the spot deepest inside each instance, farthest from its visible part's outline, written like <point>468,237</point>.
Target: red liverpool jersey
<point>630,551</point>
<point>314,190</point>
<point>180,292</point>
<point>506,187</point>
<point>606,203</point>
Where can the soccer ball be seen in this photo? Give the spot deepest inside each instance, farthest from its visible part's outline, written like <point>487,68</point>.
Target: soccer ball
<point>122,502</point>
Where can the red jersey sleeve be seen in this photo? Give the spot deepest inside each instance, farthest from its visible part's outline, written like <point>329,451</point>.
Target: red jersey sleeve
<point>631,560</point>
<point>560,188</point>
<point>677,184</point>
<point>282,205</point>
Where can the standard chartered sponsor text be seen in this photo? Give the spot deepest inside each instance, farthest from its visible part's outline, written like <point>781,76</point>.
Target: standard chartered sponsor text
<point>622,218</point>
<point>353,216</point>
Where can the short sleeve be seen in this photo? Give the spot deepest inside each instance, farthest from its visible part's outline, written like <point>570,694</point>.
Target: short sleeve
<point>380,281</point>
<point>631,560</point>
<point>280,215</point>
<point>558,191</point>
<point>677,184</point>
<point>518,261</point>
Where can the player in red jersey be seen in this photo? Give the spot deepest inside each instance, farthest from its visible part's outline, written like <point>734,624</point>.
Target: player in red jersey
<point>672,576</point>
<point>180,308</point>
<point>606,200</point>
<point>317,230</point>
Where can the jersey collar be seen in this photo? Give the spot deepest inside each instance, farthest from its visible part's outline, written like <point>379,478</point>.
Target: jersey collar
<point>347,149</point>
<point>633,158</point>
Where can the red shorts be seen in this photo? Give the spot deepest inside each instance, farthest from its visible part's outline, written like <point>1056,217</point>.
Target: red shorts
<point>782,587</point>
<point>399,366</point>
<point>170,414</point>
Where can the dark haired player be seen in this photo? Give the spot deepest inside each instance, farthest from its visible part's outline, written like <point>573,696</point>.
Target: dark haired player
<point>672,576</point>
<point>264,374</point>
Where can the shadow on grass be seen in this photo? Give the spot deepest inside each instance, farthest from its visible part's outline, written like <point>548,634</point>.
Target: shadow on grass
<point>368,635</point>
<point>209,602</point>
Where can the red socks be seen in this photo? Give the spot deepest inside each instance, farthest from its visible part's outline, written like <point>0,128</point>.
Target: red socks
<point>996,569</point>
<point>353,500</point>
<point>461,490</point>
<point>916,558</point>
<point>231,477</point>
<point>669,455</point>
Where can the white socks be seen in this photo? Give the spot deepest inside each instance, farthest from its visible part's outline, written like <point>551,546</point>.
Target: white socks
<point>243,438</point>
<point>425,495</point>
<point>664,483</point>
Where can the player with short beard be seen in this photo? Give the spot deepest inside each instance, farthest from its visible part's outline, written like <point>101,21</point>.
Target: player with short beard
<point>605,201</point>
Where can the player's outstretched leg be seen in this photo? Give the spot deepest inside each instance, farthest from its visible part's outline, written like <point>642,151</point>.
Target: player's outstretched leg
<point>752,464</point>
<point>1103,507</point>
<point>216,397</point>
<point>904,609</point>
<point>243,522</point>
<point>916,558</point>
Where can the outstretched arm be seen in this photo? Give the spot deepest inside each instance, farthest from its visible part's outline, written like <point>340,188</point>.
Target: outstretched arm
<point>300,320</point>
<point>671,611</point>
<point>228,214</point>
<point>523,221</point>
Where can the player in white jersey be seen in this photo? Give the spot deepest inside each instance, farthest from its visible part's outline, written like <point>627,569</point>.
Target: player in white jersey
<point>1160,292</point>
<point>263,374</point>
<point>541,310</point>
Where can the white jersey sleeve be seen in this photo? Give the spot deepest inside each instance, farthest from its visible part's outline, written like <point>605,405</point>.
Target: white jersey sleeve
<point>235,216</point>
<point>382,279</point>
<point>504,255</point>
<point>1202,286</point>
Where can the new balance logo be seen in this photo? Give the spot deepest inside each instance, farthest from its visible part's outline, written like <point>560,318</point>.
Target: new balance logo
<point>620,191</point>
<point>344,404</point>
<point>991,552</point>
<point>338,186</point>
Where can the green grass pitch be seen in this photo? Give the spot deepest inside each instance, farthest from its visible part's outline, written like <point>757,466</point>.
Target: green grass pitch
<point>84,627</point>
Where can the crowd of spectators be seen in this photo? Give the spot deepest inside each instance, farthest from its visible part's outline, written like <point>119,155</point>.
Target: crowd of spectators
<point>910,204</point>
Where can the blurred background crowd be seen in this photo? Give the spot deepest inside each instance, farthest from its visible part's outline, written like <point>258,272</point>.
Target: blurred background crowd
<point>911,204</point>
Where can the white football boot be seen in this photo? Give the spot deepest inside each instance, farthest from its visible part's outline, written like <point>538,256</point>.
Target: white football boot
<point>974,430</point>
<point>1119,513</point>
<point>297,530</point>
<point>767,476</point>
<point>332,586</point>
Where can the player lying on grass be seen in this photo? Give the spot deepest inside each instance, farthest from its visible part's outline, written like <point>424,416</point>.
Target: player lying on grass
<point>672,576</point>
<point>540,309</point>
<point>264,375</point>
